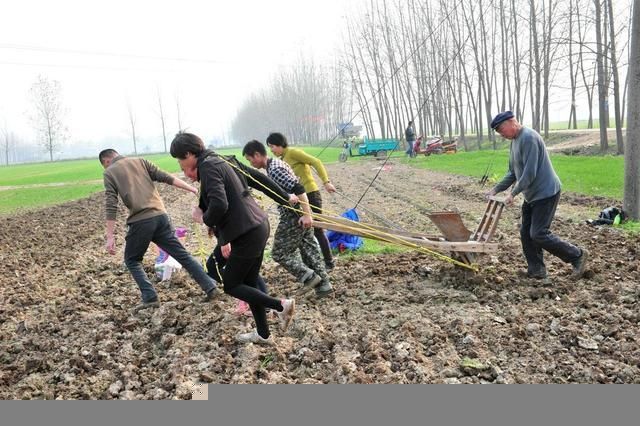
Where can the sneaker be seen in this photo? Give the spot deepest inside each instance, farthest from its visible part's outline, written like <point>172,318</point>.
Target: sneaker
<point>580,265</point>
<point>310,283</point>
<point>211,295</point>
<point>329,265</point>
<point>323,290</point>
<point>288,309</point>
<point>242,308</point>
<point>254,337</point>
<point>146,305</point>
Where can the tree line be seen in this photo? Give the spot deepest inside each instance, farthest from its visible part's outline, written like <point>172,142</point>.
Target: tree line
<point>450,65</point>
<point>305,102</point>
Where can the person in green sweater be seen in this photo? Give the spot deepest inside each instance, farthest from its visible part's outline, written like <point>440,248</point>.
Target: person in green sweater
<point>301,163</point>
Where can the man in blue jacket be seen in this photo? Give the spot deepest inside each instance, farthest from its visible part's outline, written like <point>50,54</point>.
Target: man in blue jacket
<point>531,173</point>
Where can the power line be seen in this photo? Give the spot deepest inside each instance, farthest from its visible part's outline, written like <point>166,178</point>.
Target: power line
<point>86,66</point>
<point>109,54</point>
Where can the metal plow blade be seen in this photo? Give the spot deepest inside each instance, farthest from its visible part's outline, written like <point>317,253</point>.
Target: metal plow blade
<point>451,226</point>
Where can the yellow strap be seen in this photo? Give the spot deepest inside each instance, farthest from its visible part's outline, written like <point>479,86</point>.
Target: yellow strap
<point>392,239</point>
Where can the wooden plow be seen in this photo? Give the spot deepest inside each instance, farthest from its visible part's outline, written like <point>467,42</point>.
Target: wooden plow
<point>463,244</point>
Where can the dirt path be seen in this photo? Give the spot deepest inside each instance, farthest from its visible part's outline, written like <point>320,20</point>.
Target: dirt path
<point>583,141</point>
<point>66,330</point>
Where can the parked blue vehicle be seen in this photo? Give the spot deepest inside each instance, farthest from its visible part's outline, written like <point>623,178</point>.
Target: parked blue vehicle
<point>377,147</point>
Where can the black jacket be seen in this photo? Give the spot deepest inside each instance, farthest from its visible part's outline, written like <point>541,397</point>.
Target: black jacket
<point>225,198</point>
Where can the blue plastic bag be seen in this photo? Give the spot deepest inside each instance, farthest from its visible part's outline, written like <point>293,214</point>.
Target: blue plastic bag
<point>340,241</point>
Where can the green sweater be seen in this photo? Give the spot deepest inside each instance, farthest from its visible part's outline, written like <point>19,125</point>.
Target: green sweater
<point>132,179</point>
<point>301,163</point>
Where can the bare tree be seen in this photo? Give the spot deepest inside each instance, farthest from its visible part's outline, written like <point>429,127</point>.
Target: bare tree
<point>573,75</point>
<point>161,114</point>
<point>602,86</point>
<point>439,63</point>
<point>616,78</point>
<point>518,86</point>
<point>535,67</point>
<point>132,122</point>
<point>305,102</point>
<point>178,110</point>
<point>588,85</point>
<point>549,53</point>
<point>48,114</point>
<point>632,151</point>
<point>8,140</point>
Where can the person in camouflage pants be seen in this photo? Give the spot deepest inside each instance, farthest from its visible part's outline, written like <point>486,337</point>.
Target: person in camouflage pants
<point>294,246</point>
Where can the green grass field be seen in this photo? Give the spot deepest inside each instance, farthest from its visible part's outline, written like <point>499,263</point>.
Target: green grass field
<point>603,176</point>
<point>70,180</point>
<point>23,199</point>
<point>43,184</point>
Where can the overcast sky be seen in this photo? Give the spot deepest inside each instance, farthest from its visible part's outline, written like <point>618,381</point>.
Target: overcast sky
<point>211,54</point>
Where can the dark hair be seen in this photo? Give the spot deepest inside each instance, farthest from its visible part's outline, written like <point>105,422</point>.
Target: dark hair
<point>107,153</point>
<point>277,139</point>
<point>185,143</point>
<point>253,147</point>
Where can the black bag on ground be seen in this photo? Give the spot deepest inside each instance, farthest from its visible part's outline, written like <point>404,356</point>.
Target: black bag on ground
<point>608,216</point>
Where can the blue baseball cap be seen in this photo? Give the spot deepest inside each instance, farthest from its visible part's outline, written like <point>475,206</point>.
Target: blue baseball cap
<point>498,119</point>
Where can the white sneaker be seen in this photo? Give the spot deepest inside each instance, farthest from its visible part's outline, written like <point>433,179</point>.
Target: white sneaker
<point>288,309</point>
<point>254,337</point>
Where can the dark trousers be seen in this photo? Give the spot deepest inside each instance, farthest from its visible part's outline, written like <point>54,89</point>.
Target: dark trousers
<point>316,202</point>
<point>216,263</point>
<point>536,236</point>
<point>158,229</point>
<point>241,273</point>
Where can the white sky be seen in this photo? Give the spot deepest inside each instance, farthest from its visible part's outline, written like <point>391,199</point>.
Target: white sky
<point>230,48</point>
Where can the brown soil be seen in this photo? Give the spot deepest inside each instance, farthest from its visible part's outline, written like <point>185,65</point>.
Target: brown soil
<point>67,330</point>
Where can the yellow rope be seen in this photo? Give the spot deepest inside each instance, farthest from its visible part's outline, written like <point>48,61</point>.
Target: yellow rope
<point>392,239</point>
<point>202,252</point>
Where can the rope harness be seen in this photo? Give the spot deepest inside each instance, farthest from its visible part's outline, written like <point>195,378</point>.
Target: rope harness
<point>389,238</point>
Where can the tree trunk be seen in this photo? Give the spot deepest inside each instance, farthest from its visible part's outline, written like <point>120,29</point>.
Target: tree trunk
<point>602,86</point>
<point>616,80</point>
<point>535,67</point>
<point>572,110</point>
<point>164,133</point>
<point>632,151</point>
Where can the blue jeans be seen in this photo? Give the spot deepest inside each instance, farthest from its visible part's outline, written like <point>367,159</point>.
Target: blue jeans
<point>409,150</point>
<point>158,229</point>
<point>536,236</point>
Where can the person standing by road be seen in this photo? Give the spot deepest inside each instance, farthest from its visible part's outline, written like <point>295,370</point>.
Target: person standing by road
<point>410,137</point>
<point>533,176</point>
